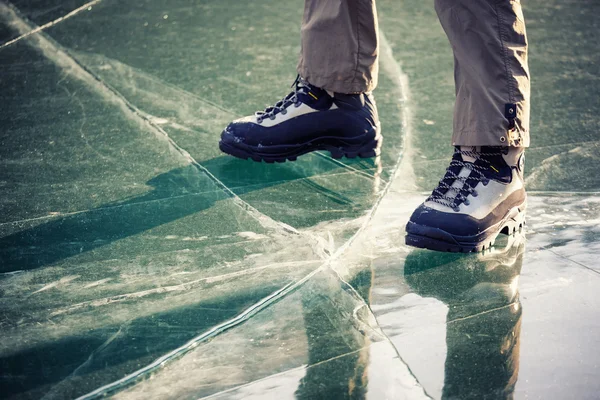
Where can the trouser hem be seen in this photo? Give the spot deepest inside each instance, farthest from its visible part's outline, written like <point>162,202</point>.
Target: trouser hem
<point>503,138</point>
<point>348,86</point>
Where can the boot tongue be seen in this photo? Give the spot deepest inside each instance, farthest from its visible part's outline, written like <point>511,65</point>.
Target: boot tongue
<point>314,96</point>
<point>468,158</point>
<point>465,172</point>
<point>461,172</point>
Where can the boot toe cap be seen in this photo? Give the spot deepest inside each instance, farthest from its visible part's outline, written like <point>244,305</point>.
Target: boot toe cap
<point>450,222</point>
<point>231,135</point>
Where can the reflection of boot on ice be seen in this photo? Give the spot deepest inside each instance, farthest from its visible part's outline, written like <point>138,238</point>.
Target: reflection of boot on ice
<point>484,316</point>
<point>338,353</point>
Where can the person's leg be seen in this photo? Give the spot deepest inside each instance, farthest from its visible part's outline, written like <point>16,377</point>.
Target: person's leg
<point>482,192</point>
<point>340,45</point>
<point>331,107</point>
<point>491,73</point>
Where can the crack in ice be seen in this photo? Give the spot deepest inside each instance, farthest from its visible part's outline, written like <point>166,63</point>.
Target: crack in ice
<point>286,372</point>
<point>61,56</point>
<point>573,261</point>
<point>278,295</point>
<point>45,26</point>
<point>57,215</point>
<point>479,314</point>
<point>173,288</point>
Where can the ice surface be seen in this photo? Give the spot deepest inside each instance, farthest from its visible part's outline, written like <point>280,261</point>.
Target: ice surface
<point>137,261</point>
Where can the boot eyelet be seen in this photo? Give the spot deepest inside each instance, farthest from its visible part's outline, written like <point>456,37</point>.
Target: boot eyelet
<point>259,120</point>
<point>284,111</point>
<point>272,117</point>
<point>456,209</point>
<point>474,193</point>
<point>467,202</point>
<point>298,104</point>
<point>486,182</point>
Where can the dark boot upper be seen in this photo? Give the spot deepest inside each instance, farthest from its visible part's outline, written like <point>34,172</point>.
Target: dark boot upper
<point>307,112</point>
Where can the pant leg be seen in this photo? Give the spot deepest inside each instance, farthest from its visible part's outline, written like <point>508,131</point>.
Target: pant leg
<point>489,41</point>
<point>340,45</point>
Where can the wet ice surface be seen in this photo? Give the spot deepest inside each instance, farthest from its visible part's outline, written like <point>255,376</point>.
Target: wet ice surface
<point>137,261</point>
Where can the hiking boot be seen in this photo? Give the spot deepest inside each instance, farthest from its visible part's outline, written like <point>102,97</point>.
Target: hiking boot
<point>481,195</point>
<point>307,119</point>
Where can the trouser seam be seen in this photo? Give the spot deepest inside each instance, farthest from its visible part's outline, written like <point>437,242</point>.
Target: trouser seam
<point>357,43</point>
<point>472,132</point>
<point>503,40</point>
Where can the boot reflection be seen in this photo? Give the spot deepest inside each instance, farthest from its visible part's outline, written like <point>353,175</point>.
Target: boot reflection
<point>338,352</point>
<point>484,316</point>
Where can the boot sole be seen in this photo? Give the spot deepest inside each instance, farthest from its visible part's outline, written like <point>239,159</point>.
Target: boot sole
<point>364,146</point>
<point>427,237</point>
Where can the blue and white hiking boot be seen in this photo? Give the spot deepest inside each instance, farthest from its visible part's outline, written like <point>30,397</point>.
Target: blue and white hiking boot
<point>307,119</point>
<point>481,195</point>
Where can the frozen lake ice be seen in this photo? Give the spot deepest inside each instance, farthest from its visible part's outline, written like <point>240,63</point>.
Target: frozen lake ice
<point>137,261</point>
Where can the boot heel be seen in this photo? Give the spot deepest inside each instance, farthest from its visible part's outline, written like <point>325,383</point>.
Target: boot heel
<point>367,150</point>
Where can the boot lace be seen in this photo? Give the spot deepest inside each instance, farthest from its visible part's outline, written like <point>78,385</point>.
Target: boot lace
<point>450,195</point>
<point>299,85</point>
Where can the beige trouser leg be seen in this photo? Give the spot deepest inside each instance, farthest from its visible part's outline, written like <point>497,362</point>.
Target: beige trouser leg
<point>339,45</point>
<point>491,74</point>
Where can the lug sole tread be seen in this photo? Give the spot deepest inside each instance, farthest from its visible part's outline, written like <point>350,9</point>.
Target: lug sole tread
<point>509,226</point>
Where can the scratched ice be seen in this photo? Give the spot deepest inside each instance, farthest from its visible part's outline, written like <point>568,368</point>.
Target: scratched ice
<point>138,262</point>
